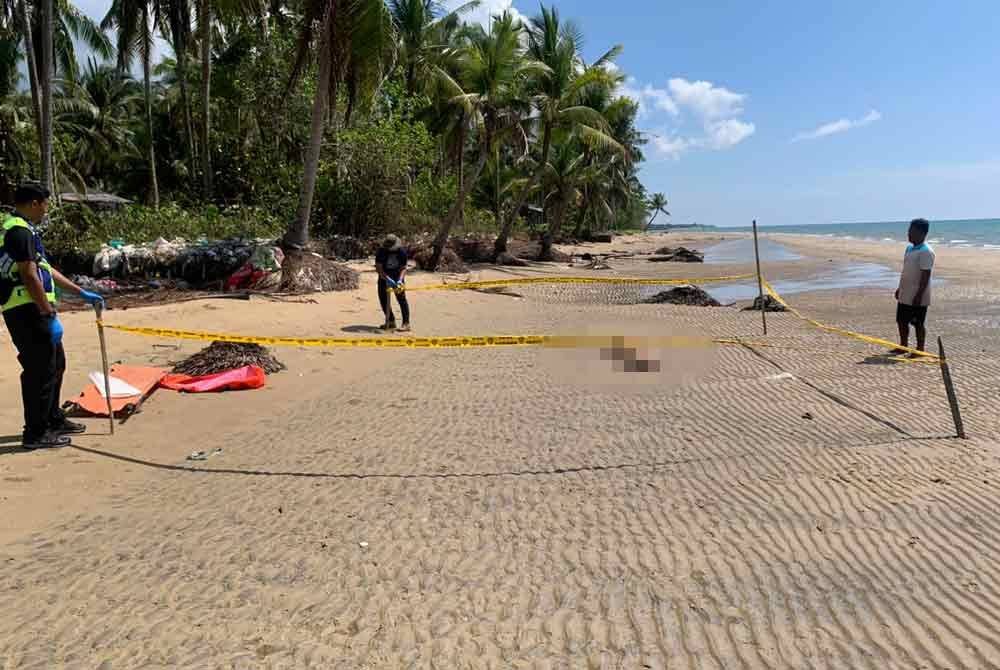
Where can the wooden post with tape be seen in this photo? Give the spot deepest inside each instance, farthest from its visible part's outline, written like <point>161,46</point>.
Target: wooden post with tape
<point>98,311</point>
<point>949,387</point>
<point>760,279</point>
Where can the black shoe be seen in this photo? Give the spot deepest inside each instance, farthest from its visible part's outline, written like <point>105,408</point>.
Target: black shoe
<point>50,440</point>
<point>388,325</point>
<point>68,427</point>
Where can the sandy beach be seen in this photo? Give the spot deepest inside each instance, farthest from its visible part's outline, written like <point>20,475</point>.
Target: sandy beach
<point>798,504</point>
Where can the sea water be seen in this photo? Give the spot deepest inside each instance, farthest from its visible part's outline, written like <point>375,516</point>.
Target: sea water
<point>982,233</point>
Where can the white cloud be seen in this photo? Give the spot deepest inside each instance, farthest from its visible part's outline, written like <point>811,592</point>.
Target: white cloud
<point>671,146</point>
<point>715,110</point>
<point>839,126</point>
<point>728,133</point>
<point>661,99</point>
<point>486,10</point>
<point>706,99</point>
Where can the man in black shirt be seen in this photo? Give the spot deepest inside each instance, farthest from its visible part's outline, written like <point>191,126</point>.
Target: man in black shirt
<point>28,298</point>
<point>390,263</point>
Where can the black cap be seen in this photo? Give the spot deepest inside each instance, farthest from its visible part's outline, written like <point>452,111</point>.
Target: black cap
<point>30,192</point>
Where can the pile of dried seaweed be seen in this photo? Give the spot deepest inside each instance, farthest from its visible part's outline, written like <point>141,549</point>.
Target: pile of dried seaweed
<point>770,305</point>
<point>222,356</point>
<point>684,295</point>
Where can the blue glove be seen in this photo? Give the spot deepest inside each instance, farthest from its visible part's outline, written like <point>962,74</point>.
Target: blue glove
<point>55,330</point>
<point>390,282</point>
<point>91,298</point>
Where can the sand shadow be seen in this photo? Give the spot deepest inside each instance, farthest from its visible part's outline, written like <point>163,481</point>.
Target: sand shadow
<point>498,290</point>
<point>367,330</point>
<point>14,449</point>
<point>6,440</point>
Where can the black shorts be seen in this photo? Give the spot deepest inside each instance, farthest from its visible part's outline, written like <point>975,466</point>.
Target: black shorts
<point>911,315</point>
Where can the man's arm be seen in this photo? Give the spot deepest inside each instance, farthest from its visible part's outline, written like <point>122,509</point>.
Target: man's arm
<point>33,284</point>
<point>925,280</point>
<point>64,283</point>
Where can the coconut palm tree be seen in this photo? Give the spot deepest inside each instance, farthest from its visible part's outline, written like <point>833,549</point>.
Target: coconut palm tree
<point>175,23</point>
<point>488,91</point>
<point>135,23</point>
<point>657,203</point>
<point>355,45</point>
<point>95,112</point>
<point>419,26</point>
<point>48,29</point>
<point>557,97</point>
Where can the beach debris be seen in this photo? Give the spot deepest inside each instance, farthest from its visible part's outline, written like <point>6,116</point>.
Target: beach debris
<point>597,264</point>
<point>601,237</point>
<point>808,416</point>
<point>223,356</point>
<point>677,255</point>
<point>510,260</point>
<point>308,272</point>
<point>781,376</point>
<point>449,261</point>
<point>262,272</point>
<point>683,295</point>
<point>363,545</point>
<point>770,305</point>
<point>203,455</point>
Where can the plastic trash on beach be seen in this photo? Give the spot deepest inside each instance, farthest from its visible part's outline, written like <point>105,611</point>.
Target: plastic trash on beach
<point>119,388</point>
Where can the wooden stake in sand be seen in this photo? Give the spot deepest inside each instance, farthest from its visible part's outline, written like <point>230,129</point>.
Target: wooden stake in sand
<point>949,387</point>
<point>98,310</point>
<point>760,279</point>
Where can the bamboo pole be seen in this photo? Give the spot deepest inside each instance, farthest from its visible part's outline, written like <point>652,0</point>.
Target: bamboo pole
<point>98,310</point>
<point>949,387</point>
<point>760,279</point>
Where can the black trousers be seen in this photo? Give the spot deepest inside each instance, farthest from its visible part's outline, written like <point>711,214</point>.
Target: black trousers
<point>384,300</point>
<point>42,368</point>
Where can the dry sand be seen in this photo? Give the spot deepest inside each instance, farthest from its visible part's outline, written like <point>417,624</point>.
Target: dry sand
<point>495,508</point>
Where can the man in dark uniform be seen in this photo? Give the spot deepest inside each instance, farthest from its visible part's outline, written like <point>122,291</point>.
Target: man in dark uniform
<point>28,298</point>
<point>390,263</point>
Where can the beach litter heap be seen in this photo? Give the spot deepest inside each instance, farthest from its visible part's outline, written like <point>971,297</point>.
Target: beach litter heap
<point>770,305</point>
<point>683,295</point>
<point>308,272</point>
<point>678,255</point>
<point>224,356</point>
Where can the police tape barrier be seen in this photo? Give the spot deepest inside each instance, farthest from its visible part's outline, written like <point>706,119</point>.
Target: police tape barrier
<point>877,341</point>
<point>522,281</point>
<point>552,341</point>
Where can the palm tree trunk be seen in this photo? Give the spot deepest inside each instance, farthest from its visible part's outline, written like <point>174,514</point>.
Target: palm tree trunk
<point>147,47</point>
<point>555,225</point>
<point>205,18</point>
<point>29,47</point>
<point>650,222</point>
<point>457,209</point>
<point>500,245</point>
<point>297,235</point>
<point>45,71</point>
<point>186,104</point>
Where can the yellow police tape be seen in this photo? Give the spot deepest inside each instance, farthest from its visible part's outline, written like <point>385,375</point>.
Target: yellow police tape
<point>922,356</point>
<point>452,342</point>
<point>521,281</point>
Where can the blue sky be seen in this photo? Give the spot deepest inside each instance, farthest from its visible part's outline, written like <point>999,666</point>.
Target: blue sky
<point>797,113</point>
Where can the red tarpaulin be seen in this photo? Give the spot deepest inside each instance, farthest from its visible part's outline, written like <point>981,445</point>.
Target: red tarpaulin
<point>241,379</point>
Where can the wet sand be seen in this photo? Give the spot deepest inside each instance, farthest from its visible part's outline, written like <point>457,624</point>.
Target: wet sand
<point>791,506</point>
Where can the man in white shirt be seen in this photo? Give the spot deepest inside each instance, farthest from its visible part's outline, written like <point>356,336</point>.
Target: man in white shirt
<point>914,292</point>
